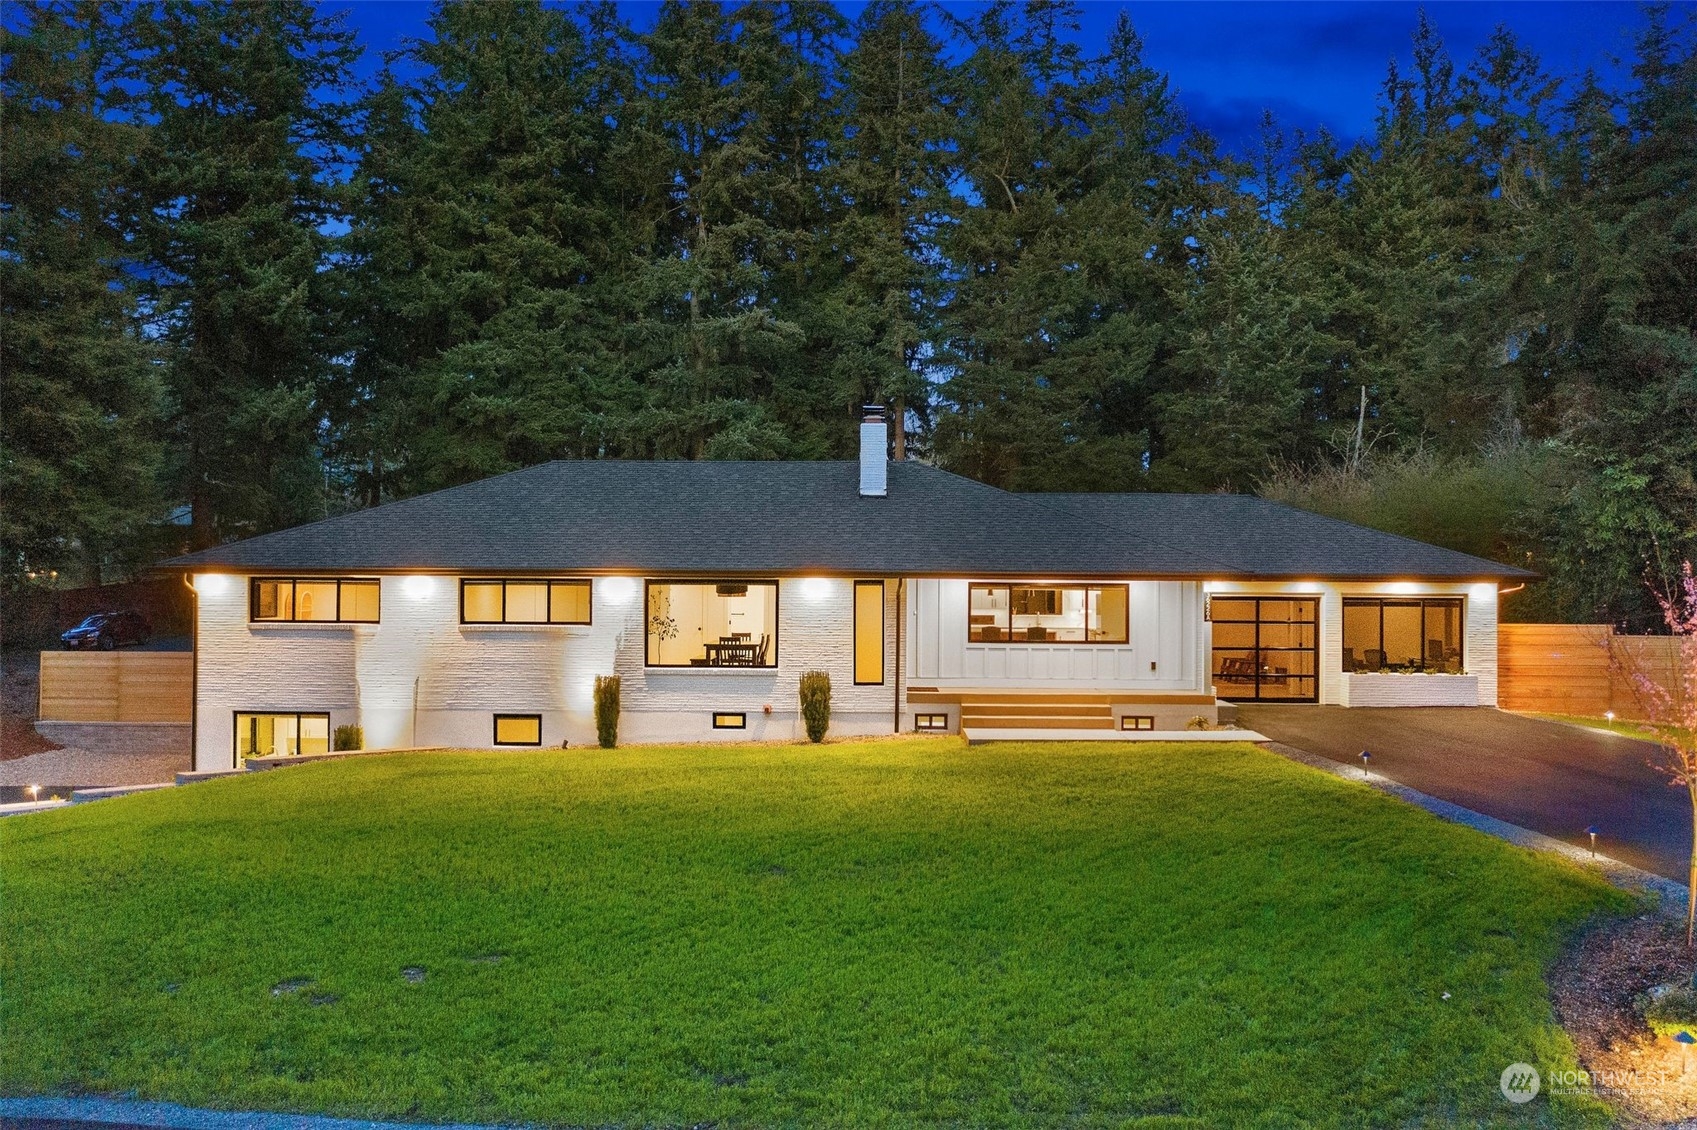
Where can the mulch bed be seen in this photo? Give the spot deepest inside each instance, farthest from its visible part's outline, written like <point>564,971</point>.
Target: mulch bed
<point>20,681</point>
<point>1599,986</point>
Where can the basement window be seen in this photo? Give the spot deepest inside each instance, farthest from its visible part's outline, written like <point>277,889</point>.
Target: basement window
<point>935,722</point>
<point>281,735</point>
<point>730,721</point>
<point>1136,722</point>
<point>518,729</point>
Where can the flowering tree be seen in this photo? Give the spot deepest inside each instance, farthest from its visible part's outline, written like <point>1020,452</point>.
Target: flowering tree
<point>1669,706</point>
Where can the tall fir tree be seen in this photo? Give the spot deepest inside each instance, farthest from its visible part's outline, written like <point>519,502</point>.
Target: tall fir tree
<point>892,158</point>
<point>481,286</point>
<point>78,425</point>
<point>246,108</point>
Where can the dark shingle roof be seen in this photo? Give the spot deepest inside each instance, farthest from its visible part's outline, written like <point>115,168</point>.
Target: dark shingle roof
<point>707,518</point>
<point>1270,539</point>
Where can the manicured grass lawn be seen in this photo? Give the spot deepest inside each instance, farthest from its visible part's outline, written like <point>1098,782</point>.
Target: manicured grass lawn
<point>875,934</point>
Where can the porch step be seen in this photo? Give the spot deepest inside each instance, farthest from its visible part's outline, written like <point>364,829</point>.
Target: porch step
<point>979,735</point>
<point>1036,709</point>
<point>1036,722</point>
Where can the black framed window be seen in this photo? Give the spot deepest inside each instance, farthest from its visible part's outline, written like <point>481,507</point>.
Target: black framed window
<point>1405,634</point>
<point>518,729</point>
<point>525,601</point>
<point>1266,648</point>
<point>930,721</point>
<point>287,733</point>
<point>1013,613</point>
<point>1137,722</point>
<point>711,623</point>
<point>329,600</point>
<point>724,720</point>
<point>868,633</point>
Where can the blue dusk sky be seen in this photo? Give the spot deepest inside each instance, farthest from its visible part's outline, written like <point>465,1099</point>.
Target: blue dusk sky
<point>1310,62</point>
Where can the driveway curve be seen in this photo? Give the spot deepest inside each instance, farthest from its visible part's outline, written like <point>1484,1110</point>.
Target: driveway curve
<point>1551,777</point>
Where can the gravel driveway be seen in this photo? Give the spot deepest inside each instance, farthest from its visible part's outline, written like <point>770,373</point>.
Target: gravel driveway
<point>86,768</point>
<point>1548,776</point>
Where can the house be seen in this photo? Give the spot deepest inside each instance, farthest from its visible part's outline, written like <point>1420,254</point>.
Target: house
<point>481,615</point>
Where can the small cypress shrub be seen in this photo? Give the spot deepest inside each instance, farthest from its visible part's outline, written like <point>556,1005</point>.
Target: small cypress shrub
<point>348,737</point>
<point>816,704</point>
<point>607,710</point>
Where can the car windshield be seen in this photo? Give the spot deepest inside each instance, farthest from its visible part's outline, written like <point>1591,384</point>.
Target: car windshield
<point>94,621</point>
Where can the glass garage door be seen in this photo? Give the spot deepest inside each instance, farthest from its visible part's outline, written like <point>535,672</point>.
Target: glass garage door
<point>1266,648</point>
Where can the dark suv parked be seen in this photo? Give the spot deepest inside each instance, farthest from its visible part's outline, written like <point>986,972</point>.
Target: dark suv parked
<point>107,630</point>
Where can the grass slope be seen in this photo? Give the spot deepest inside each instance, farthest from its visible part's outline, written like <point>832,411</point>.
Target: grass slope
<point>874,934</point>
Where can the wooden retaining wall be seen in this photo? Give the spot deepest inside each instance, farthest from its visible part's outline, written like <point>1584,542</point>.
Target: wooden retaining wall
<point>116,686</point>
<point>1578,668</point>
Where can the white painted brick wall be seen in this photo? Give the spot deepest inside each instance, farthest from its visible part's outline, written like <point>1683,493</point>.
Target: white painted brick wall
<point>1479,633</point>
<point>1412,690</point>
<point>421,678</point>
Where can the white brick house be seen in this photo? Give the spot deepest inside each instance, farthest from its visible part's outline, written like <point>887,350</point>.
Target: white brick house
<point>481,615</point>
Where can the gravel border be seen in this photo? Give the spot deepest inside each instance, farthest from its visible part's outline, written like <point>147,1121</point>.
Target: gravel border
<point>88,768</point>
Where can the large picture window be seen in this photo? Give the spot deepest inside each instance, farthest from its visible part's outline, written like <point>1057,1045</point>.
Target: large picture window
<point>314,600</point>
<point>524,602</point>
<point>1421,634</point>
<point>1048,614</point>
<point>281,735</point>
<point>712,623</point>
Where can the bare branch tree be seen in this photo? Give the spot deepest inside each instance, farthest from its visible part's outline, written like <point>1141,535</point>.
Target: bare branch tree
<point>1667,699</point>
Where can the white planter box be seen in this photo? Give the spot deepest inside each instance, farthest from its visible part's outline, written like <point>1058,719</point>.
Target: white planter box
<point>1412,690</point>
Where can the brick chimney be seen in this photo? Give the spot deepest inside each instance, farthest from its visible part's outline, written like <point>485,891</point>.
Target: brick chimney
<point>874,456</point>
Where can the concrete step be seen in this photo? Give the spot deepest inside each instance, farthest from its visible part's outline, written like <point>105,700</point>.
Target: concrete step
<point>1039,721</point>
<point>1055,709</point>
<point>977,735</point>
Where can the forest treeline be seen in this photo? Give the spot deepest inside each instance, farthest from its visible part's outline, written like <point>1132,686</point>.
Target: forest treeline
<point>245,288</point>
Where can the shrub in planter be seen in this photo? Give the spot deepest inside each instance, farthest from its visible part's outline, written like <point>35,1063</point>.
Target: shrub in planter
<point>607,710</point>
<point>816,704</point>
<point>348,737</point>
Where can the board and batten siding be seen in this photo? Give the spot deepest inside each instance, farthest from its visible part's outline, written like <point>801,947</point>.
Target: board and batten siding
<point>1166,621</point>
<point>421,678</point>
<point>1478,687</point>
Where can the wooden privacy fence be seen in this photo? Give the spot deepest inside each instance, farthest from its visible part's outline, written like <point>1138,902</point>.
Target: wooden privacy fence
<point>116,686</point>
<point>1578,668</point>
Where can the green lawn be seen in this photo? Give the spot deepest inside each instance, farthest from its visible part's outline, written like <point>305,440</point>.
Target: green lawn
<point>860,934</point>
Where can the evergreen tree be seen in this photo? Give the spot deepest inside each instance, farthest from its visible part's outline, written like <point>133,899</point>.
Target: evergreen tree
<point>80,408</point>
<point>480,284</point>
<point>892,159</point>
<point>246,137</point>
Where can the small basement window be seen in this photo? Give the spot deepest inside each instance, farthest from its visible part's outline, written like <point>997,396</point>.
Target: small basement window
<point>931,722</point>
<point>723,721</point>
<point>1136,722</point>
<point>281,734</point>
<point>518,729</point>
